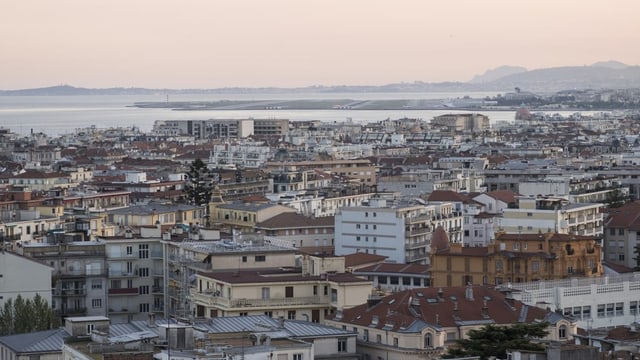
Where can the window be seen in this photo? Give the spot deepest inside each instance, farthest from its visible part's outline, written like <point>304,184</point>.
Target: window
<point>357,226</point>
<point>269,313</point>
<point>144,272</point>
<point>96,284</point>
<point>619,309</point>
<point>428,341</point>
<point>144,308</point>
<point>601,310</point>
<point>535,266</point>
<point>342,344</point>
<point>365,335</point>
<point>129,250</point>
<point>244,314</point>
<point>612,231</point>
<point>90,328</point>
<point>562,331</point>
<point>379,339</point>
<point>633,307</point>
<point>143,251</point>
<point>297,356</point>
<point>96,303</point>
<point>143,290</point>
<point>260,258</point>
<point>395,342</point>
<point>288,291</point>
<point>244,259</point>
<point>621,231</point>
<point>498,265</point>
<point>291,314</point>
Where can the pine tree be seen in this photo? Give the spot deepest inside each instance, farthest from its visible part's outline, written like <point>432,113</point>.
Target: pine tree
<point>198,184</point>
<point>494,340</point>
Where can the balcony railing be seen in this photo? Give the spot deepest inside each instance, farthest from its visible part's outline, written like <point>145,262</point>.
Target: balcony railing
<point>123,291</point>
<point>220,301</point>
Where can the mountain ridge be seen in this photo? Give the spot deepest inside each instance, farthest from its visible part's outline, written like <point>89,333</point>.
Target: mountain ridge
<point>604,74</point>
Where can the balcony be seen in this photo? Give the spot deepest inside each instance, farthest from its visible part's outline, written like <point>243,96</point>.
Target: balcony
<point>416,245</point>
<point>157,290</point>
<point>118,273</point>
<point>209,299</point>
<point>69,292</point>
<point>123,291</point>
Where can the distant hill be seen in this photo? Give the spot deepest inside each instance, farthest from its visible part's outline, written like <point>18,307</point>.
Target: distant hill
<point>605,74</point>
<point>494,74</point>
<point>571,77</point>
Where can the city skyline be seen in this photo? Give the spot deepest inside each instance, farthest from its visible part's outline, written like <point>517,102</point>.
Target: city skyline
<point>286,43</point>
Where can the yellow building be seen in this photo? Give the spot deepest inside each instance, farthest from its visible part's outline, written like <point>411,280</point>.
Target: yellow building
<point>244,215</point>
<point>280,292</point>
<point>514,258</point>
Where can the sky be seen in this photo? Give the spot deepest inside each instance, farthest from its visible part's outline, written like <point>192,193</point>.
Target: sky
<point>290,43</point>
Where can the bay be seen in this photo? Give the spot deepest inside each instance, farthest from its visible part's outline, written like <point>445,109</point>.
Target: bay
<point>57,115</point>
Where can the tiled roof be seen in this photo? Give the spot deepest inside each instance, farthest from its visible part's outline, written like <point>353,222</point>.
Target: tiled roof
<point>293,220</point>
<point>626,216</point>
<point>356,259</point>
<point>506,196</point>
<point>448,195</point>
<point>413,310</point>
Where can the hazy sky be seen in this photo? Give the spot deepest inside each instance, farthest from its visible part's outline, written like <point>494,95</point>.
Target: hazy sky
<point>219,43</point>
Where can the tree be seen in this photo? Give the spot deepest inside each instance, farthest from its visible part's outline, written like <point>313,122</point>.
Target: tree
<point>494,340</point>
<point>198,184</point>
<point>22,316</point>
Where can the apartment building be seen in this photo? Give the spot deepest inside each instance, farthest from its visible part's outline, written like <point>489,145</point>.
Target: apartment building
<point>205,129</point>
<point>622,235</point>
<point>244,215</point>
<point>400,232</point>
<point>245,154</point>
<point>309,235</point>
<point>360,170</point>
<point>79,278</point>
<point>136,277</point>
<point>595,302</point>
<point>277,293</point>
<point>534,214</point>
<point>461,122</point>
<point>20,275</point>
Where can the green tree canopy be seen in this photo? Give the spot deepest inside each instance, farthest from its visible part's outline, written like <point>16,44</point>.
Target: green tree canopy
<point>23,316</point>
<point>494,340</point>
<point>198,183</point>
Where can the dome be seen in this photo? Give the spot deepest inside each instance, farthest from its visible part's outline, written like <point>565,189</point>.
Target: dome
<point>440,239</point>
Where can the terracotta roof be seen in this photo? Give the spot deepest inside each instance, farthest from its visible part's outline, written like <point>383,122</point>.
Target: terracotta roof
<point>506,196</point>
<point>293,220</point>
<point>620,269</point>
<point>440,239</point>
<point>626,216</point>
<point>448,195</point>
<point>357,259</point>
<point>540,236</point>
<point>416,309</point>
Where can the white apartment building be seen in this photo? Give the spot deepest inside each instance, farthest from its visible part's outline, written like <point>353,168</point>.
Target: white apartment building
<point>136,278</point>
<point>23,276</point>
<point>594,302</point>
<point>246,154</point>
<point>401,233</point>
<point>548,214</point>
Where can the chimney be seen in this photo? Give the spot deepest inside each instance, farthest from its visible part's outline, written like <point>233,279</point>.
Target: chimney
<point>485,309</point>
<point>468,292</point>
<point>281,322</point>
<point>440,295</point>
<point>152,320</point>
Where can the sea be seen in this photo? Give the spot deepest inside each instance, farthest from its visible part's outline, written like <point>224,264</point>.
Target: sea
<point>58,115</point>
